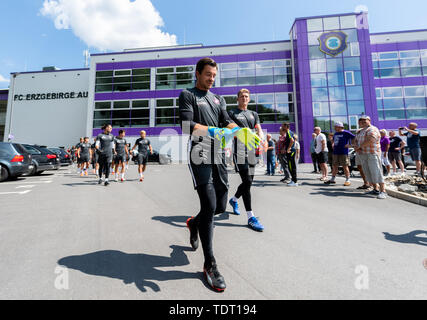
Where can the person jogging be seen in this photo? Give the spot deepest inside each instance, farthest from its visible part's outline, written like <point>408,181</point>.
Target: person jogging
<point>105,146</point>
<point>245,160</point>
<point>76,149</point>
<point>144,146</point>
<point>203,115</point>
<point>84,153</point>
<point>122,153</point>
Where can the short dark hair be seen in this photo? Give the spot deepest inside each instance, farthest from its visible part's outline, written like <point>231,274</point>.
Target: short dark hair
<point>121,131</point>
<point>203,62</point>
<point>105,126</point>
<point>286,125</point>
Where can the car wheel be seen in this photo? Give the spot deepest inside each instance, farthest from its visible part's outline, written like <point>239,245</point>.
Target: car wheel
<point>4,173</point>
<point>34,171</point>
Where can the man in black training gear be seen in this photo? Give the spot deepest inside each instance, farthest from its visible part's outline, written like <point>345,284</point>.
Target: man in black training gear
<point>105,145</point>
<point>144,146</point>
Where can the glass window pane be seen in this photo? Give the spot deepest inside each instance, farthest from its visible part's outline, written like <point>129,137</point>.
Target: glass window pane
<point>262,80</point>
<point>165,112</point>
<point>411,72</point>
<point>121,114</point>
<point>394,114</point>
<point>246,81</point>
<point>410,63</point>
<point>323,122</point>
<point>332,23</point>
<point>334,65</point>
<point>140,104</point>
<point>141,79</point>
<point>356,107</point>
<point>247,65</point>
<point>122,87</point>
<point>229,74</point>
<point>318,80</point>
<point>266,108</point>
<point>122,72</point>
<point>352,63</point>
<point>355,49</point>
<point>264,72</point>
<point>378,92</point>
<point>283,97</point>
<point>354,93</point>
<point>104,73</point>
<point>188,69</point>
<point>313,38</point>
<point>338,108</point>
<point>122,79</point>
<point>264,64</point>
<point>336,93</point>
<point>389,64</point>
<point>140,113</point>
<point>318,65</point>
<point>315,53</point>
<point>141,86</point>
<point>335,79</point>
<point>414,91</point>
<point>389,73</point>
<point>102,115</point>
<point>103,80</point>
<point>319,94</point>
<point>135,123</point>
<point>348,22</point>
<point>283,79</point>
<point>141,72</point>
<point>320,108</point>
<point>104,88</point>
<point>352,35</point>
<point>265,98</point>
<point>228,66</point>
<point>246,73</point>
<point>165,70</point>
<point>410,54</point>
<point>388,55</point>
<point>396,103</point>
<point>103,105</point>
<point>229,82</point>
<point>415,103</point>
<point>121,123</point>
<point>349,78</point>
<point>267,118</point>
<point>416,114</point>
<point>281,63</point>
<point>314,25</point>
<point>392,92</point>
<point>282,108</point>
<point>164,103</point>
<point>121,104</point>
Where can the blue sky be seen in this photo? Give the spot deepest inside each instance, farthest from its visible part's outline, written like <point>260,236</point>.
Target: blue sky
<point>31,38</point>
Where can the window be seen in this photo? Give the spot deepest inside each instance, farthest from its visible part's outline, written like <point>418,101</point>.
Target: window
<point>348,22</point>
<point>334,65</point>
<point>332,23</point>
<point>141,79</point>
<point>140,113</point>
<point>356,107</point>
<point>167,112</point>
<point>318,65</point>
<point>122,80</point>
<point>318,80</point>
<point>355,49</point>
<point>335,79</point>
<point>320,109</point>
<point>414,91</point>
<point>354,92</point>
<point>352,63</point>
<point>314,25</point>
<point>104,81</point>
<point>349,78</point>
<point>171,78</point>
<point>392,92</point>
<point>338,108</point>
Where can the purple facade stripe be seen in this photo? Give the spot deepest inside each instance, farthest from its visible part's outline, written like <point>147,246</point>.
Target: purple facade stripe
<point>191,61</point>
<point>395,124</point>
<point>175,93</point>
<point>399,46</point>
<point>398,82</point>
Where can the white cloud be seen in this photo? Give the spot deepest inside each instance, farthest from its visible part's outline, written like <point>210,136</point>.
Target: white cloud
<point>110,24</point>
<point>3,79</point>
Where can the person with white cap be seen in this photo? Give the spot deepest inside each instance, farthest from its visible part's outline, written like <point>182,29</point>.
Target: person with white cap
<point>341,143</point>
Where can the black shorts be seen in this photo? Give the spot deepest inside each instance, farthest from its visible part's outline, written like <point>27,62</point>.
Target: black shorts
<point>119,158</point>
<point>322,157</point>
<point>142,159</point>
<point>84,158</point>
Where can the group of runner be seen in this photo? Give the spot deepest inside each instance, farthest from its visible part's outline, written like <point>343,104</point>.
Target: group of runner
<point>111,153</point>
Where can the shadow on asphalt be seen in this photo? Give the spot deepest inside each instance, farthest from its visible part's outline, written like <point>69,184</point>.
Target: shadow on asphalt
<point>181,221</point>
<point>341,192</point>
<point>140,269</point>
<point>410,237</point>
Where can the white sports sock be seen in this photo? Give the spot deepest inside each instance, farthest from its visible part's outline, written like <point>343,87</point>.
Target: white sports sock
<point>234,199</point>
<point>250,214</point>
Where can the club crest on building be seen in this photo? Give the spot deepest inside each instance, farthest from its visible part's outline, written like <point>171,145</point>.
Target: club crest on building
<point>333,43</point>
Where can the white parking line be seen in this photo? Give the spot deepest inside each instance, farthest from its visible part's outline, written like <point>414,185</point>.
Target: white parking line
<point>26,187</point>
<point>18,192</point>
<point>29,182</point>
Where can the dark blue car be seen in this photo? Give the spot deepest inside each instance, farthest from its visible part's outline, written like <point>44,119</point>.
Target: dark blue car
<point>15,161</point>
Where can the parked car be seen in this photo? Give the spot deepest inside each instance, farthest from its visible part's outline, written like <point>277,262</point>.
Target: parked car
<point>64,156</point>
<point>156,157</point>
<point>15,160</point>
<point>43,159</point>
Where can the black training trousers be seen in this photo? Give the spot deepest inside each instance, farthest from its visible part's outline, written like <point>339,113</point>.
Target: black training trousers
<point>104,165</point>
<point>246,173</point>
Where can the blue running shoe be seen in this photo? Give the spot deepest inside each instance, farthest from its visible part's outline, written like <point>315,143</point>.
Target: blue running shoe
<point>235,207</point>
<point>254,224</point>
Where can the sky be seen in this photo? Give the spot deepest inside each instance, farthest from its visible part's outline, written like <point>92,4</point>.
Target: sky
<point>39,33</point>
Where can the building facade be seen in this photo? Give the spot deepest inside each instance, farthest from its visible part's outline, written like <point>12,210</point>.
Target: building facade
<point>331,69</point>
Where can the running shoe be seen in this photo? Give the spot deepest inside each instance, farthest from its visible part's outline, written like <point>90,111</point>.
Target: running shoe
<point>382,195</point>
<point>254,224</point>
<point>347,183</point>
<point>116,179</point>
<point>81,174</point>
<point>364,187</point>
<point>292,184</point>
<point>194,236</point>
<point>99,181</point>
<point>373,192</point>
<point>106,183</point>
<point>330,182</point>
<point>122,179</point>
<point>214,278</point>
<point>86,173</point>
<point>235,206</point>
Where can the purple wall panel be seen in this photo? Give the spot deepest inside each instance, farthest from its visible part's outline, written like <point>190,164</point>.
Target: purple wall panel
<point>395,124</point>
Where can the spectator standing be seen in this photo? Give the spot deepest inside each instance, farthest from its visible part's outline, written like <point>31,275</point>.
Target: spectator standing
<point>313,153</point>
<point>395,152</point>
<point>321,152</point>
<point>385,146</point>
<point>271,161</point>
<point>330,144</point>
<point>413,140</point>
<point>281,154</point>
<point>341,143</point>
<point>369,148</point>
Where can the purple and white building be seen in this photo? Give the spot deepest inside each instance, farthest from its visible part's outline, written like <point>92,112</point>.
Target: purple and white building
<point>331,69</point>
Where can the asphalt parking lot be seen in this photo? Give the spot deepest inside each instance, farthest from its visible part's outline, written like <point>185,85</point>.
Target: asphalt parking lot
<point>66,237</point>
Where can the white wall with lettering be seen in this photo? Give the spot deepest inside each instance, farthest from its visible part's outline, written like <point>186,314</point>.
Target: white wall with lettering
<point>48,108</point>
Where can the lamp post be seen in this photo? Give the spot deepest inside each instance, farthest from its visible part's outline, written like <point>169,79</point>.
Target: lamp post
<point>10,137</point>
